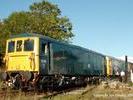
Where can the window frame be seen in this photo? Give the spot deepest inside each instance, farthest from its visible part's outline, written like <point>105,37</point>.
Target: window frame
<point>33,47</point>
<point>22,47</point>
<point>13,47</point>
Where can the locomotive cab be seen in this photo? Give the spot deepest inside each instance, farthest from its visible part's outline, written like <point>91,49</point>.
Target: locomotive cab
<point>27,59</point>
<point>22,54</point>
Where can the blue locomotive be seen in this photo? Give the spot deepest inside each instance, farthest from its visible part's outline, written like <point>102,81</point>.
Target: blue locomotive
<point>40,60</point>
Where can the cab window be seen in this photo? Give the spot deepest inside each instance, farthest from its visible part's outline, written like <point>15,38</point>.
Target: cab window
<point>29,45</point>
<point>19,45</point>
<point>11,46</point>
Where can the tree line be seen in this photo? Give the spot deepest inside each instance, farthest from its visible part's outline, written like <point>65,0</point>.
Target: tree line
<point>42,17</point>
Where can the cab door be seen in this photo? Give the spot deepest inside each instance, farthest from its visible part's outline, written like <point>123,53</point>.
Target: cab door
<point>44,57</point>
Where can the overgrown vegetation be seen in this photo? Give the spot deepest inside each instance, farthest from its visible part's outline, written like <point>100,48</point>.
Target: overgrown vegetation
<point>1,61</point>
<point>88,93</point>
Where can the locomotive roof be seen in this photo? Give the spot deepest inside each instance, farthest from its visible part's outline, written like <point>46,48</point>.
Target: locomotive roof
<point>52,40</point>
<point>25,35</point>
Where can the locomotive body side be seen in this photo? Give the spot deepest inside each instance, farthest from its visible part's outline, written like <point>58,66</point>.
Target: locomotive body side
<point>75,61</point>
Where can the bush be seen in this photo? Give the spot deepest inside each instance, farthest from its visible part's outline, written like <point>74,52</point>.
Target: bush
<point>1,60</point>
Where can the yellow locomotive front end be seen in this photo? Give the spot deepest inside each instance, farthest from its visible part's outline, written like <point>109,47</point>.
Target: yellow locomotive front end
<point>22,54</point>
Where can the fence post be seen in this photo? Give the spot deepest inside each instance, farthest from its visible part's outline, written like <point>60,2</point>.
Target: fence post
<point>126,66</point>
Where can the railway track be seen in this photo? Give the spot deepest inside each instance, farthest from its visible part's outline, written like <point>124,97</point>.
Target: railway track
<point>67,91</point>
<point>45,95</point>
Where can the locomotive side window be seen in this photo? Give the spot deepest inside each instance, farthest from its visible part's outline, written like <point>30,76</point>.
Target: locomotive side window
<point>19,45</point>
<point>44,49</point>
<point>29,45</point>
<point>11,46</point>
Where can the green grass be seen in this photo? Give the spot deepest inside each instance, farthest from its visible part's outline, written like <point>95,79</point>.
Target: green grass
<point>130,84</point>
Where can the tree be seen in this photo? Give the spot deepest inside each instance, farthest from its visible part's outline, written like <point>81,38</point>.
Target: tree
<point>43,18</point>
<point>2,37</point>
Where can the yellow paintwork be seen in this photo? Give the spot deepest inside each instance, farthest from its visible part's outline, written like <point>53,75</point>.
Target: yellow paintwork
<point>109,66</point>
<point>23,60</point>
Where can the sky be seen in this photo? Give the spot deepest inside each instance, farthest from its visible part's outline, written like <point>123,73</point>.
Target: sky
<point>105,26</point>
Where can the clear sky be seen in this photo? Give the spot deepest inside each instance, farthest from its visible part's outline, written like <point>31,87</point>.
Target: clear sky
<point>105,26</point>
